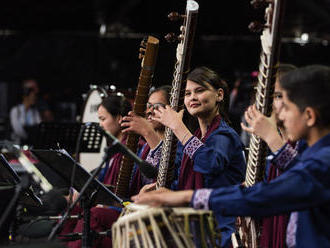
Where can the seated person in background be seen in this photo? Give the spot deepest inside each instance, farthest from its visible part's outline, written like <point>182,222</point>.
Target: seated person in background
<point>303,189</point>
<point>110,113</point>
<point>152,132</point>
<point>25,115</point>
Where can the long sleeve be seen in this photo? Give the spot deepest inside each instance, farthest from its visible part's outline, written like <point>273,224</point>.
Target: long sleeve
<point>303,186</point>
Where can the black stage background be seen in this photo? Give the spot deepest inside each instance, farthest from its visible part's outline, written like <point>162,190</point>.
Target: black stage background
<point>59,42</point>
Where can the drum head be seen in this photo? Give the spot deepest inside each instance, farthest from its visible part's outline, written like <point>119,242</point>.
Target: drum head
<point>95,96</point>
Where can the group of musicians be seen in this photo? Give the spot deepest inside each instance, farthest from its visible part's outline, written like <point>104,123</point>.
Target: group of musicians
<point>292,201</point>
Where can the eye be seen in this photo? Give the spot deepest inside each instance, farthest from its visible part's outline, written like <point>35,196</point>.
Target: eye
<point>187,93</point>
<point>200,90</point>
<point>278,96</point>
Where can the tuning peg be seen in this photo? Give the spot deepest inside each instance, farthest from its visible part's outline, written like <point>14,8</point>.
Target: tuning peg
<point>256,26</point>
<point>175,16</point>
<point>144,42</point>
<point>141,52</point>
<point>259,3</point>
<point>171,37</point>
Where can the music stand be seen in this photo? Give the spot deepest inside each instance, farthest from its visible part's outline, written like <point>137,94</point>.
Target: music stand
<point>95,192</point>
<point>62,163</point>
<point>8,175</point>
<point>91,139</point>
<point>21,193</point>
<point>51,135</point>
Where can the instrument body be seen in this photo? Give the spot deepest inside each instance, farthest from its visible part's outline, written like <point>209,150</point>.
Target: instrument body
<point>248,228</point>
<point>143,226</point>
<point>181,69</point>
<point>149,55</point>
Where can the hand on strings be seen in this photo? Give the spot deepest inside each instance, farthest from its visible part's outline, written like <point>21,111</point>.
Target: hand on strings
<point>262,126</point>
<point>147,188</point>
<point>137,124</point>
<point>168,117</point>
<point>164,197</point>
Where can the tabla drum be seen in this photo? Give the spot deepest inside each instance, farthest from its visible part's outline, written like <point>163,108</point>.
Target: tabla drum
<point>165,227</point>
<point>90,160</point>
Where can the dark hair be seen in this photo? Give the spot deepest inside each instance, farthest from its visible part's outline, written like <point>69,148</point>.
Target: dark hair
<point>309,86</point>
<point>202,76</point>
<point>116,105</point>
<point>166,89</point>
<point>284,68</point>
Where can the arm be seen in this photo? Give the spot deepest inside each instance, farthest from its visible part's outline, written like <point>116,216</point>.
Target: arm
<point>283,194</point>
<point>302,187</point>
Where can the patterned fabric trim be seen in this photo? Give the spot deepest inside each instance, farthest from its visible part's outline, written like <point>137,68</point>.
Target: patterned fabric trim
<point>191,146</point>
<point>284,157</point>
<point>292,230</point>
<point>201,198</point>
<point>154,155</point>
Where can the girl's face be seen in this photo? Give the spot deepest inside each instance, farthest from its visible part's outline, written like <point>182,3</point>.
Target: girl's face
<point>277,103</point>
<point>294,120</point>
<point>108,122</point>
<point>155,100</point>
<point>202,100</point>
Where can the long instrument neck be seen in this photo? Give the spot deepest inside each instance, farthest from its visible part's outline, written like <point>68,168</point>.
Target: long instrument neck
<point>141,98</point>
<point>181,69</point>
<point>269,58</point>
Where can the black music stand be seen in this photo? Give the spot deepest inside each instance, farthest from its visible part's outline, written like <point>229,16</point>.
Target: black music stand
<point>91,139</point>
<point>8,175</point>
<point>52,135</point>
<point>22,194</point>
<point>91,190</point>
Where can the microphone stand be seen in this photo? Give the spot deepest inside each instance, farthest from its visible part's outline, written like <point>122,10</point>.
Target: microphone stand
<point>147,169</point>
<point>86,201</point>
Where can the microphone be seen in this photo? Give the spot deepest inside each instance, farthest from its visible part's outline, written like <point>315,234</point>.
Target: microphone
<point>147,169</point>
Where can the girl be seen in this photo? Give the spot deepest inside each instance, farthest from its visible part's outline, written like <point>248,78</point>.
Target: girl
<point>213,156</point>
<point>110,113</point>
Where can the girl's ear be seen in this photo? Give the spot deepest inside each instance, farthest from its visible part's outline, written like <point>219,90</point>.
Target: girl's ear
<point>119,119</point>
<point>311,116</point>
<point>220,95</point>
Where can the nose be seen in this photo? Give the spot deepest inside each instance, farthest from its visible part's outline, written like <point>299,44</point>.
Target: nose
<point>281,113</point>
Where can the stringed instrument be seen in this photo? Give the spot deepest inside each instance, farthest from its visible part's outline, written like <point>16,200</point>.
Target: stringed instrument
<point>148,54</point>
<point>248,230</point>
<point>181,70</point>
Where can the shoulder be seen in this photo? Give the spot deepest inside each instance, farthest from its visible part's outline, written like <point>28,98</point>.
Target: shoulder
<point>225,130</point>
<point>15,109</point>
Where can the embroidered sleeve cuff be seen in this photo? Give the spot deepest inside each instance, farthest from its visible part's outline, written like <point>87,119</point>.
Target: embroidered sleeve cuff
<point>192,145</point>
<point>284,156</point>
<point>154,155</point>
<point>200,199</point>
